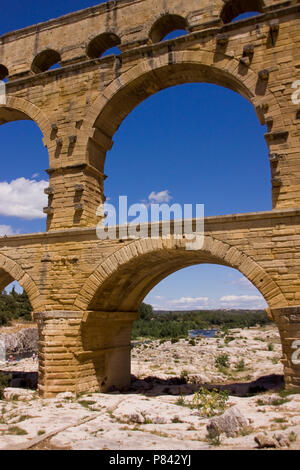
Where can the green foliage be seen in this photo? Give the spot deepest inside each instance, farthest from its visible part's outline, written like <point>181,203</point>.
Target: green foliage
<point>240,366</point>
<point>14,306</point>
<point>146,312</point>
<point>210,402</point>
<point>17,431</point>
<point>213,440</point>
<point>167,324</point>
<point>184,375</point>
<point>181,401</point>
<point>222,360</point>
<point>4,382</point>
<point>270,347</point>
<point>289,391</point>
<point>272,402</point>
<point>292,436</point>
<point>228,339</point>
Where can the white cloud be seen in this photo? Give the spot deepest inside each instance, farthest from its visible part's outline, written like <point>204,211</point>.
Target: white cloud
<point>240,298</point>
<point>189,300</point>
<point>158,198</point>
<point>183,303</point>
<point>23,198</point>
<point>6,230</point>
<point>243,284</point>
<point>197,303</point>
<point>243,301</point>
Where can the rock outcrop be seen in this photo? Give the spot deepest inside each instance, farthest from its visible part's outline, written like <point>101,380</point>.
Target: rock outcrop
<point>232,423</point>
<point>21,343</point>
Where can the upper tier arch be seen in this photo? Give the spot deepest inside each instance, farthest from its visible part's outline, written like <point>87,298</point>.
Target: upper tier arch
<point>107,112</point>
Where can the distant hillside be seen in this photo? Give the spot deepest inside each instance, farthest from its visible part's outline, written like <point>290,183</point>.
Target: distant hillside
<point>217,311</point>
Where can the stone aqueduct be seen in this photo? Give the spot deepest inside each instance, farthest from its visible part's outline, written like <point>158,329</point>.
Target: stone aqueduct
<point>85,292</point>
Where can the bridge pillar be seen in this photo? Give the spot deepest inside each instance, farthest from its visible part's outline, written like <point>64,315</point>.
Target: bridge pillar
<point>84,351</point>
<point>288,323</point>
<point>74,195</point>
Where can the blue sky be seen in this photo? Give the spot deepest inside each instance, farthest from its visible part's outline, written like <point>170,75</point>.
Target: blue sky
<point>194,143</point>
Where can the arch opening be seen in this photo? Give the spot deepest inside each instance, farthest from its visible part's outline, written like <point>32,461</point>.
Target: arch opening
<point>19,334</point>
<point>192,142</point>
<point>199,324</point>
<point>24,179</point>
<point>3,72</point>
<point>128,97</point>
<point>103,44</point>
<point>235,10</point>
<point>173,333</point>
<point>14,279</point>
<point>45,60</point>
<point>14,301</point>
<point>166,25</point>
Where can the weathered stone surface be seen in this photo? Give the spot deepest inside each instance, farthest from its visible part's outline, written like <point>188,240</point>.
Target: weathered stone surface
<point>264,441</point>
<point>232,423</point>
<point>19,394</point>
<point>81,288</point>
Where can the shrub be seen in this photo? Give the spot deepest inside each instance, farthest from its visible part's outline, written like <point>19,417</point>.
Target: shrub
<point>228,339</point>
<point>17,431</point>
<point>289,391</point>
<point>270,347</point>
<point>180,401</point>
<point>210,402</point>
<point>184,375</point>
<point>240,366</point>
<point>222,360</point>
<point>292,436</point>
<point>213,440</point>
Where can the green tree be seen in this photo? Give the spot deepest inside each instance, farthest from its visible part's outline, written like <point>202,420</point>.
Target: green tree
<point>146,312</point>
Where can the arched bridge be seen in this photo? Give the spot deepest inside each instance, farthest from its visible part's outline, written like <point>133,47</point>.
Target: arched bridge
<point>85,292</point>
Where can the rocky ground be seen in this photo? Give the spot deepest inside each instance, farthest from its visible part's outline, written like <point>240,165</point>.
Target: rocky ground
<point>171,403</point>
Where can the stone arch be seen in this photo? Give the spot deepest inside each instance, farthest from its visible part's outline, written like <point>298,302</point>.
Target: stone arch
<point>122,281</point>
<point>17,109</point>
<point>165,24</point>
<point>234,8</point>
<point>101,43</point>
<point>11,271</point>
<point>44,60</point>
<point>107,112</point>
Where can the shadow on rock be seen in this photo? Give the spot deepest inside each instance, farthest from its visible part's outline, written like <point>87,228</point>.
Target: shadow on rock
<point>22,379</point>
<point>154,386</point>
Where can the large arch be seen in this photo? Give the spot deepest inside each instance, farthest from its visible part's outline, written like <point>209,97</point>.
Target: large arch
<point>11,271</point>
<point>122,281</point>
<point>108,111</point>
